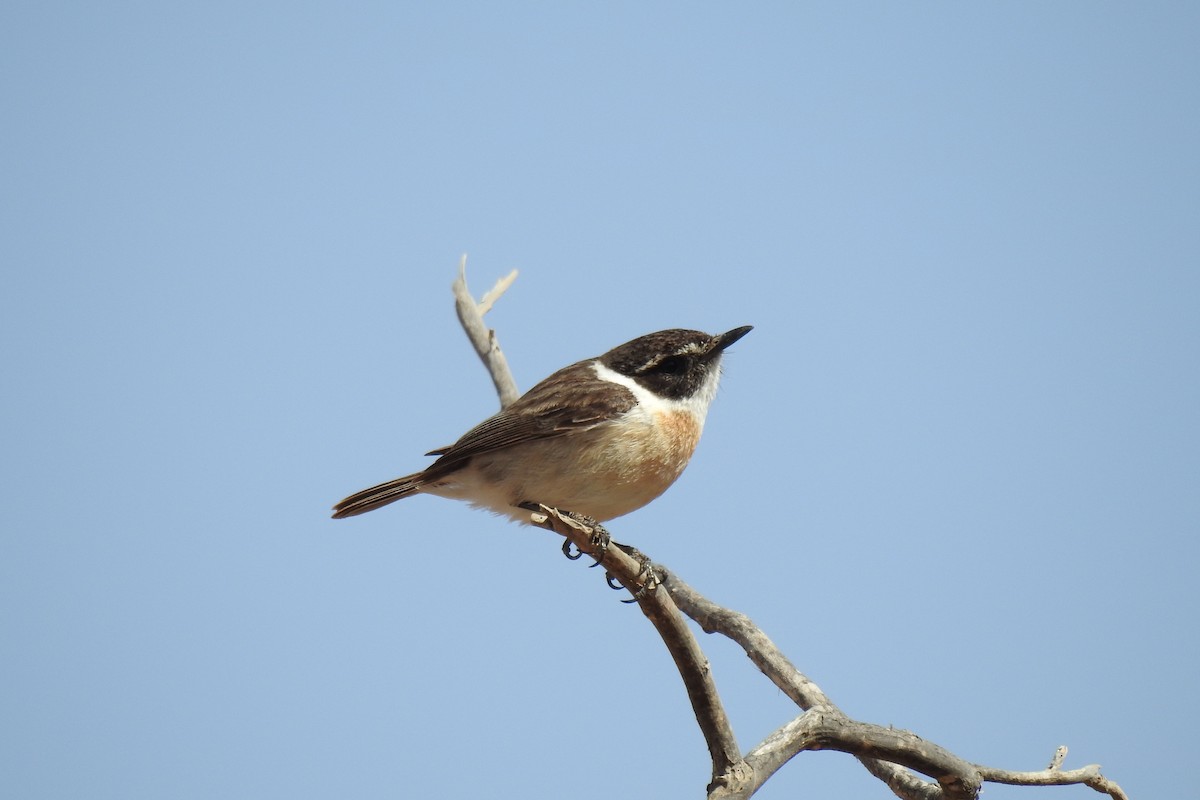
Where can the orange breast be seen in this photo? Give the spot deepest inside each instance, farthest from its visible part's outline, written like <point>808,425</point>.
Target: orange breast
<point>653,456</point>
<point>678,434</point>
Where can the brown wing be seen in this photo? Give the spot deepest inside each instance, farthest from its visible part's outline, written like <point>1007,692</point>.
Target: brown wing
<point>570,400</point>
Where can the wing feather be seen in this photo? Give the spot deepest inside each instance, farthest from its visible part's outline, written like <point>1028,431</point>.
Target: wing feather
<point>571,400</point>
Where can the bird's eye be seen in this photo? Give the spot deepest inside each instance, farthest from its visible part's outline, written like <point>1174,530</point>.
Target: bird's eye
<point>672,365</point>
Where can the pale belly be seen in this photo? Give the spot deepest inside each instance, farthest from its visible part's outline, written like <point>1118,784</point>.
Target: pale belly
<point>604,472</point>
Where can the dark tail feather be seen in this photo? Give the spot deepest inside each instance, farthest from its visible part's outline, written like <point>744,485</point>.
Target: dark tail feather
<point>376,496</point>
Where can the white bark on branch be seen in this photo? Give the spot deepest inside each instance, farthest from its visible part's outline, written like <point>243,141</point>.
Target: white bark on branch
<point>482,338</point>
<point>889,754</point>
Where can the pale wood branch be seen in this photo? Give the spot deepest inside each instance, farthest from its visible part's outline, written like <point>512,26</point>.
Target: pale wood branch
<point>827,728</point>
<point>883,751</point>
<point>483,338</point>
<point>1087,776</point>
<point>771,661</point>
<point>729,770</point>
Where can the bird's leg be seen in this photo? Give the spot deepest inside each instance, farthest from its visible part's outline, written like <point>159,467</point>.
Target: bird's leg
<point>599,538</point>
<point>647,579</point>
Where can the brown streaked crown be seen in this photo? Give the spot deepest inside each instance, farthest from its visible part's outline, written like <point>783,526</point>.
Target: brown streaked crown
<point>673,363</point>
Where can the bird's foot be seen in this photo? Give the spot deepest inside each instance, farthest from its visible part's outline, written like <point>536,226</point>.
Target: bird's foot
<point>599,539</point>
<point>647,579</point>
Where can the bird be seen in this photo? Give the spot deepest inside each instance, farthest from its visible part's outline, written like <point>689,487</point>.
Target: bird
<point>600,438</point>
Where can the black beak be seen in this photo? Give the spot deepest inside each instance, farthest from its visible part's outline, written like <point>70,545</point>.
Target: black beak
<point>723,340</point>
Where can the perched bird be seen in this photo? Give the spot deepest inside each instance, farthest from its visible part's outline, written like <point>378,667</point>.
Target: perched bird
<point>600,438</point>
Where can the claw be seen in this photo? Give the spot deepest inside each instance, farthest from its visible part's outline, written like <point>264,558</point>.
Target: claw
<point>647,578</point>
<point>599,541</point>
<point>568,547</point>
<point>573,554</point>
<point>639,594</point>
<point>612,582</point>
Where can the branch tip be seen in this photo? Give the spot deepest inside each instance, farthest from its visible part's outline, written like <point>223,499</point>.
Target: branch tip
<point>492,295</point>
<point>470,316</point>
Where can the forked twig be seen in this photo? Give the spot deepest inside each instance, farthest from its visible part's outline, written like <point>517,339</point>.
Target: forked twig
<point>483,339</point>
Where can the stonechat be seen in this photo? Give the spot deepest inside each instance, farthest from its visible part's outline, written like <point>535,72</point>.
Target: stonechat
<point>601,437</point>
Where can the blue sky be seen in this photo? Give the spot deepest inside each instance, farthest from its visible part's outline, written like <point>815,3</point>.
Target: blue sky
<point>953,471</point>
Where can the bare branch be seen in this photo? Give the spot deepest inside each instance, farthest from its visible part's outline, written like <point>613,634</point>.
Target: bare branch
<point>713,618</point>
<point>827,728</point>
<point>492,295</point>
<point>883,751</point>
<point>1105,786</point>
<point>482,338</point>
<point>1089,776</point>
<point>729,770</point>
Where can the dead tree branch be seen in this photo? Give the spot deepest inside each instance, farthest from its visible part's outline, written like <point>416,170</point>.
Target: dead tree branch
<point>483,339</point>
<point>729,770</point>
<point>889,754</point>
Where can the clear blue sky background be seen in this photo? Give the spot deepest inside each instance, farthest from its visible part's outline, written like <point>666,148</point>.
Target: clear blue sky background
<point>954,472</point>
